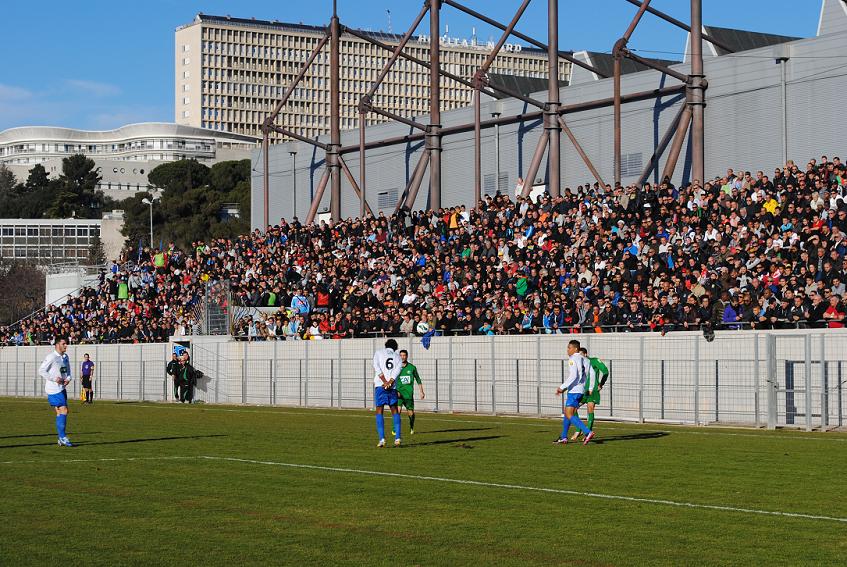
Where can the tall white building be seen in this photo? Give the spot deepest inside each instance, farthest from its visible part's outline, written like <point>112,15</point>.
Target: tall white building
<point>230,73</point>
<point>125,155</point>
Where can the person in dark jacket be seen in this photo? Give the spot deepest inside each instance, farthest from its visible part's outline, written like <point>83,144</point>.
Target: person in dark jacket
<point>172,369</point>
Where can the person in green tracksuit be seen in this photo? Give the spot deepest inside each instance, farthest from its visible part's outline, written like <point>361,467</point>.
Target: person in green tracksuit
<point>406,388</point>
<point>597,375</point>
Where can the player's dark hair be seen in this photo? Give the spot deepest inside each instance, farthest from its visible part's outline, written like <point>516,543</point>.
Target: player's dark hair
<point>574,343</point>
<point>583,350</point>
<point>86,354</point>
<point>60,338</point>
<point>404,351</point>
<point>391,343</point>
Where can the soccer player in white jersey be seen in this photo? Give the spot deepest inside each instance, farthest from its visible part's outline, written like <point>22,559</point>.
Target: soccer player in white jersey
<point>56,376</point>
<point>574,386</point>
<point>387,366</point>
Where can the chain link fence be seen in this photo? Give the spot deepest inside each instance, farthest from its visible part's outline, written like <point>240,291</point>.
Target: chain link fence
<point>774,379</point>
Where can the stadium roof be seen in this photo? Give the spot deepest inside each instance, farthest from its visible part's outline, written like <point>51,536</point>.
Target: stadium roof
<point>605,62</point>
<point>522,85</point>
<point>742,40</point>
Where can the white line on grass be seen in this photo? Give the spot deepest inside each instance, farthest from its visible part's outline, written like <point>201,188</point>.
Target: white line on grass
<point>656,501</point>
<point>484,419</point>
<point>534,489</point>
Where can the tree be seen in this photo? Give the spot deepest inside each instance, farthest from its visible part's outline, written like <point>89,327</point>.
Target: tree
<point>78,194</point>
<point>7,180</point>
<point>177,177</point>
<point>96,252</point>
<point>226,175</point>
<point>187,209</point>
<point>136,218</point>
<point>37,179</point>
<point>22,289</point>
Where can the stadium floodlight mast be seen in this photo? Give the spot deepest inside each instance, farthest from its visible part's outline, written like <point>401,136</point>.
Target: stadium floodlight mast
<point>150,202</point>
<point>552,111</point>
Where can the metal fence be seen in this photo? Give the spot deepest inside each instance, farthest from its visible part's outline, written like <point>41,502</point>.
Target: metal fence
<point>790,379</point>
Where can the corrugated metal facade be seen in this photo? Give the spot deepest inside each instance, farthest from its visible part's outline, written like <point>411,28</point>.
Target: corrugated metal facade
<point>743,131</point>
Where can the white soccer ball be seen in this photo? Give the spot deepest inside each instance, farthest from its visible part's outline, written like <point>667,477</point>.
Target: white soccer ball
<point>422,327</point>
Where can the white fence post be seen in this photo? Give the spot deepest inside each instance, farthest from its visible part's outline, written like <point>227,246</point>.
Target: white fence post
<point>538,374</point>
<point>696,380</point>
<point>770,354</point>
<point>306,382</point>
<point>493,379</point>
<point>756,387</point>
<point>824,384</point>
<point>641,379</point>
<point>808,349</point>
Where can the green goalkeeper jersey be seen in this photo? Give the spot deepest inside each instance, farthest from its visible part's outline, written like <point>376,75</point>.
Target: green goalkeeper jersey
<point>597,375</point>
<point>406,380</point>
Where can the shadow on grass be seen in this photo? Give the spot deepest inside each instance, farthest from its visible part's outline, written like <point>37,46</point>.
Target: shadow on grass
<point>461,442</point>
<point>40,435</point>
<point>122,442</point>
<point>631,437</point>
<point>454,430</point>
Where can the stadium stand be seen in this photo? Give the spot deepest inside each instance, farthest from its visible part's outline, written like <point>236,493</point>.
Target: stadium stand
<point>744,250</point>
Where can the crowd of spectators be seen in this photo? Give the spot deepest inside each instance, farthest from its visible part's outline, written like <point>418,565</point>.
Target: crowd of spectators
<point>743,250</point>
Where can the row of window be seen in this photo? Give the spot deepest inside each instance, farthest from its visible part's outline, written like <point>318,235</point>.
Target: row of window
<point>50,231</point>
<point>154,144</point>
<point>35,252</point>
<point>365,53</point>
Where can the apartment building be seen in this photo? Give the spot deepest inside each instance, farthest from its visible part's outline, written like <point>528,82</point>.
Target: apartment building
<point>230,73</point>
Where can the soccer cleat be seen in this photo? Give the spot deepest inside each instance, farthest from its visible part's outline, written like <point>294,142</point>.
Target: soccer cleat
<point>393,434</point>
<point>576,435</point>
<point>65,442</point>
<point>396,442</point>
<point>411,432</point>
<point>560,441</point>
<point>381,443</point>
<point>588,438</point>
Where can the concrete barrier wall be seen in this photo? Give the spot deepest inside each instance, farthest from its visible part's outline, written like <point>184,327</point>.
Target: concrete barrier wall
<point>790,378</point>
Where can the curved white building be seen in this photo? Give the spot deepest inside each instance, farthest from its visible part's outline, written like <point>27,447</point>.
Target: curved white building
<point>124,155</point>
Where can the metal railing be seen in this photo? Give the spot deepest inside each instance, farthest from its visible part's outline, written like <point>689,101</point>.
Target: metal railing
<point>746,378</point>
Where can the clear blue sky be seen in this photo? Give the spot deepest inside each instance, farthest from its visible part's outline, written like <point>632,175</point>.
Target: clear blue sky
<point>95,64</point>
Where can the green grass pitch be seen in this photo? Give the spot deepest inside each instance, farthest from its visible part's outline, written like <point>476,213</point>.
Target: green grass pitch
<point>155,484</point>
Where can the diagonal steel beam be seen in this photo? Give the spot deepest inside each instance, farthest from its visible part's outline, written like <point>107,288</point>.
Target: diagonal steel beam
<point>562,54</point>
<point>352,180</point>
<point>535,164</point>
<point>397,50</point>
<point>319,194</point>
<point>296,136</point>
<point>275,112</point>
<point>678,140</point>
<point>653,65</point>
<point>684,115</point>
<point>413,59</point>
<point>679,24</point>
<point>535,115</point>
<point>397,117</point>
<point>507,31</point>
<point>407,200</point>
<point>585,159</point>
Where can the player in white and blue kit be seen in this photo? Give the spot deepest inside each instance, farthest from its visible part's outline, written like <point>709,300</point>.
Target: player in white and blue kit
<point>387,366</point>
<point>56,374</point>
<point>574,386</point>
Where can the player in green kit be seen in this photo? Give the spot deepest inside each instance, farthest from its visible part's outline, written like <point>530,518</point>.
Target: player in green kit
<point>597,376</point>
<point>406,388</point>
